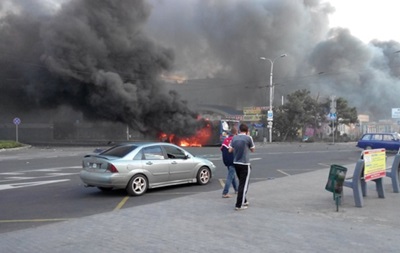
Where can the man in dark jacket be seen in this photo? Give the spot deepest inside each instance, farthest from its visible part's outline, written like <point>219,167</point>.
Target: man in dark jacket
<point>227,158</point>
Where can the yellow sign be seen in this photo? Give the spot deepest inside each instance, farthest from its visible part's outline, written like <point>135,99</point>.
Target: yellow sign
<point>374,164</point>
<point>252,117</point>
<point>251,110</point>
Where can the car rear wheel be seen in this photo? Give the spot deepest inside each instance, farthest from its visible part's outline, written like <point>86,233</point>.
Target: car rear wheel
<point>203,175</point>
<point>137,185</point>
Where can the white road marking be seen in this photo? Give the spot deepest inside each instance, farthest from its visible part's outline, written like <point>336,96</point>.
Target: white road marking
<point>46,173</point>
<point>60,174</point>
<point>221,181</point>
<point>220,158</point>
<point>58,168</point>
<point>11,173</point>
<point>214,159</point>
<point>38,177</point>
<point>29,184</point>
<point>18,178</point>
<point>284,173</point>
<point>41,170</point>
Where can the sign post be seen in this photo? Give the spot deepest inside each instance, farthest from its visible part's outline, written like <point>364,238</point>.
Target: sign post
<point>16,122</point>
<point>332,115</point>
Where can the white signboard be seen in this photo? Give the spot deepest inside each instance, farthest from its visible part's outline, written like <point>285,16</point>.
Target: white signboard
<point>395,113</point>
<point>270,115</point>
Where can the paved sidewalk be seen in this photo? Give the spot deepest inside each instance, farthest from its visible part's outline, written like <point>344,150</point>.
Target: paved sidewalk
<point>290,214</point>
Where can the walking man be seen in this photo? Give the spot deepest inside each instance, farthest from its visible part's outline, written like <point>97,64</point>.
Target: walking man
<point>227,158</point>
<point>241,146</point>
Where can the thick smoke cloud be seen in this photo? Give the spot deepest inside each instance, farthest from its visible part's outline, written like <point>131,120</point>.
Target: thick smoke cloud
<point>225,39</point>
<point>367,75</point>
<point>94,56</point>
<point>104,58</point>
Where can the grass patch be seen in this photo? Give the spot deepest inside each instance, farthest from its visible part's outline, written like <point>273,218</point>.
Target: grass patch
<point>9,144</point>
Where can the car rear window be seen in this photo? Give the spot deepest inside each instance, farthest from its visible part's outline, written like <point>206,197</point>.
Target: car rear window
<point>153,153</point>
<point>119,151</point>
<point>388,137</point>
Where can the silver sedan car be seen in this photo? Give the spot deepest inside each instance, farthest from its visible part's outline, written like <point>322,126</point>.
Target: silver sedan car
<point>137,167</point>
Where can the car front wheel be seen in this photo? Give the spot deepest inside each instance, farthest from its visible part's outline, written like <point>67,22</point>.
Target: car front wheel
<point>203,176</point>
<point>137,185</point>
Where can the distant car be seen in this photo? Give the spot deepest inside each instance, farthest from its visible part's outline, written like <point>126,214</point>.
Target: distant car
<point>137,167</point>
<point>388,141</point>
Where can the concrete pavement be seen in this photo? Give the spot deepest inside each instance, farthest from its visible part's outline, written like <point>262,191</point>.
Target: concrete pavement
<point>290,214</point>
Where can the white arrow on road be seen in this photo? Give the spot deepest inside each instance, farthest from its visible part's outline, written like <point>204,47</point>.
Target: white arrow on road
<point>29,184</point>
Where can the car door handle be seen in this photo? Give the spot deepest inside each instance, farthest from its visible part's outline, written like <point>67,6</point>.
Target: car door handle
<point>149,163</point>
<point>174,162</point>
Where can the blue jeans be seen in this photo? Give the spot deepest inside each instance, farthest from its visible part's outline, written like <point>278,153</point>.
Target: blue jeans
<point>230,179</point>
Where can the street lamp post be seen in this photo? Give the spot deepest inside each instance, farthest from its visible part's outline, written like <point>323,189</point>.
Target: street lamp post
<point>271,93</point>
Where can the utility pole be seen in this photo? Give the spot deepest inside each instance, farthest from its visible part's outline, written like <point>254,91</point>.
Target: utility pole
<point>270,114</point>
<point>333,116</point>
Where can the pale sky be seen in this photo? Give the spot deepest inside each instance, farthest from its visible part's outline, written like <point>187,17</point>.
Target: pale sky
<point>368,19</point>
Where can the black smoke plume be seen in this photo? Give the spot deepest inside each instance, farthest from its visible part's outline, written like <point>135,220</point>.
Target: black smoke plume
<point>93,56</point>
<point>104,57</point>
<point>226,38</point>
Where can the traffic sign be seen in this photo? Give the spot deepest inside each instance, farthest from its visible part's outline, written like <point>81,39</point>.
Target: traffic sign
<point>332,116</point>
<point>270,115</point>
<point>17,121</point>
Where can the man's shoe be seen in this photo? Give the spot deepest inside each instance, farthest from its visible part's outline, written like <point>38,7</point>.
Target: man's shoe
<point>240,208</point>
<point>225,196</point>
<point>246,203</point>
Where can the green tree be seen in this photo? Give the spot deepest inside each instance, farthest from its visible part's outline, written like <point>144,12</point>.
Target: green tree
<point>344,114</point>
<point>300,110</point>
<point>347,115</point>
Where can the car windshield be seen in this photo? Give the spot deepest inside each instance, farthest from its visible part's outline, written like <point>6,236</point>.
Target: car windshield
<point>119,151</point>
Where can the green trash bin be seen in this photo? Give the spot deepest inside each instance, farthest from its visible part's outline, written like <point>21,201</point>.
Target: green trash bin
<point>337,175</point>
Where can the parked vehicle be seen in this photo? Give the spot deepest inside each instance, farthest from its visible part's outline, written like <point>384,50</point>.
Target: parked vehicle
<point>137,167</point>
<point>388,141</point>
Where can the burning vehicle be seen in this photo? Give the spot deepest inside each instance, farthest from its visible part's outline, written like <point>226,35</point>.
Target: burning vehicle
<point>212,134</point>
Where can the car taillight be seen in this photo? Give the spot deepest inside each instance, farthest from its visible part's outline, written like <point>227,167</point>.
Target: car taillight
<point>111,168</point>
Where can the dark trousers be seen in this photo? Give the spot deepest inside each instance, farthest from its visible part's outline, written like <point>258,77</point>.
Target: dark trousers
<point>243,174</point>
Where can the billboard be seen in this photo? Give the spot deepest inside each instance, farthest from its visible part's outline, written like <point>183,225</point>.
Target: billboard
<point>395,113</point>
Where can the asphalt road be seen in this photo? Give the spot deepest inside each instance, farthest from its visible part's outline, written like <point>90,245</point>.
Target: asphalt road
<point>40,185</point>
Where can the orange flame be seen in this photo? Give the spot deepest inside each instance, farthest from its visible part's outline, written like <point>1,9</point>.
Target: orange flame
<point>200,139</point>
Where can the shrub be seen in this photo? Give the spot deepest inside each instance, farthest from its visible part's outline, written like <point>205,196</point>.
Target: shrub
<point>9,144</point>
